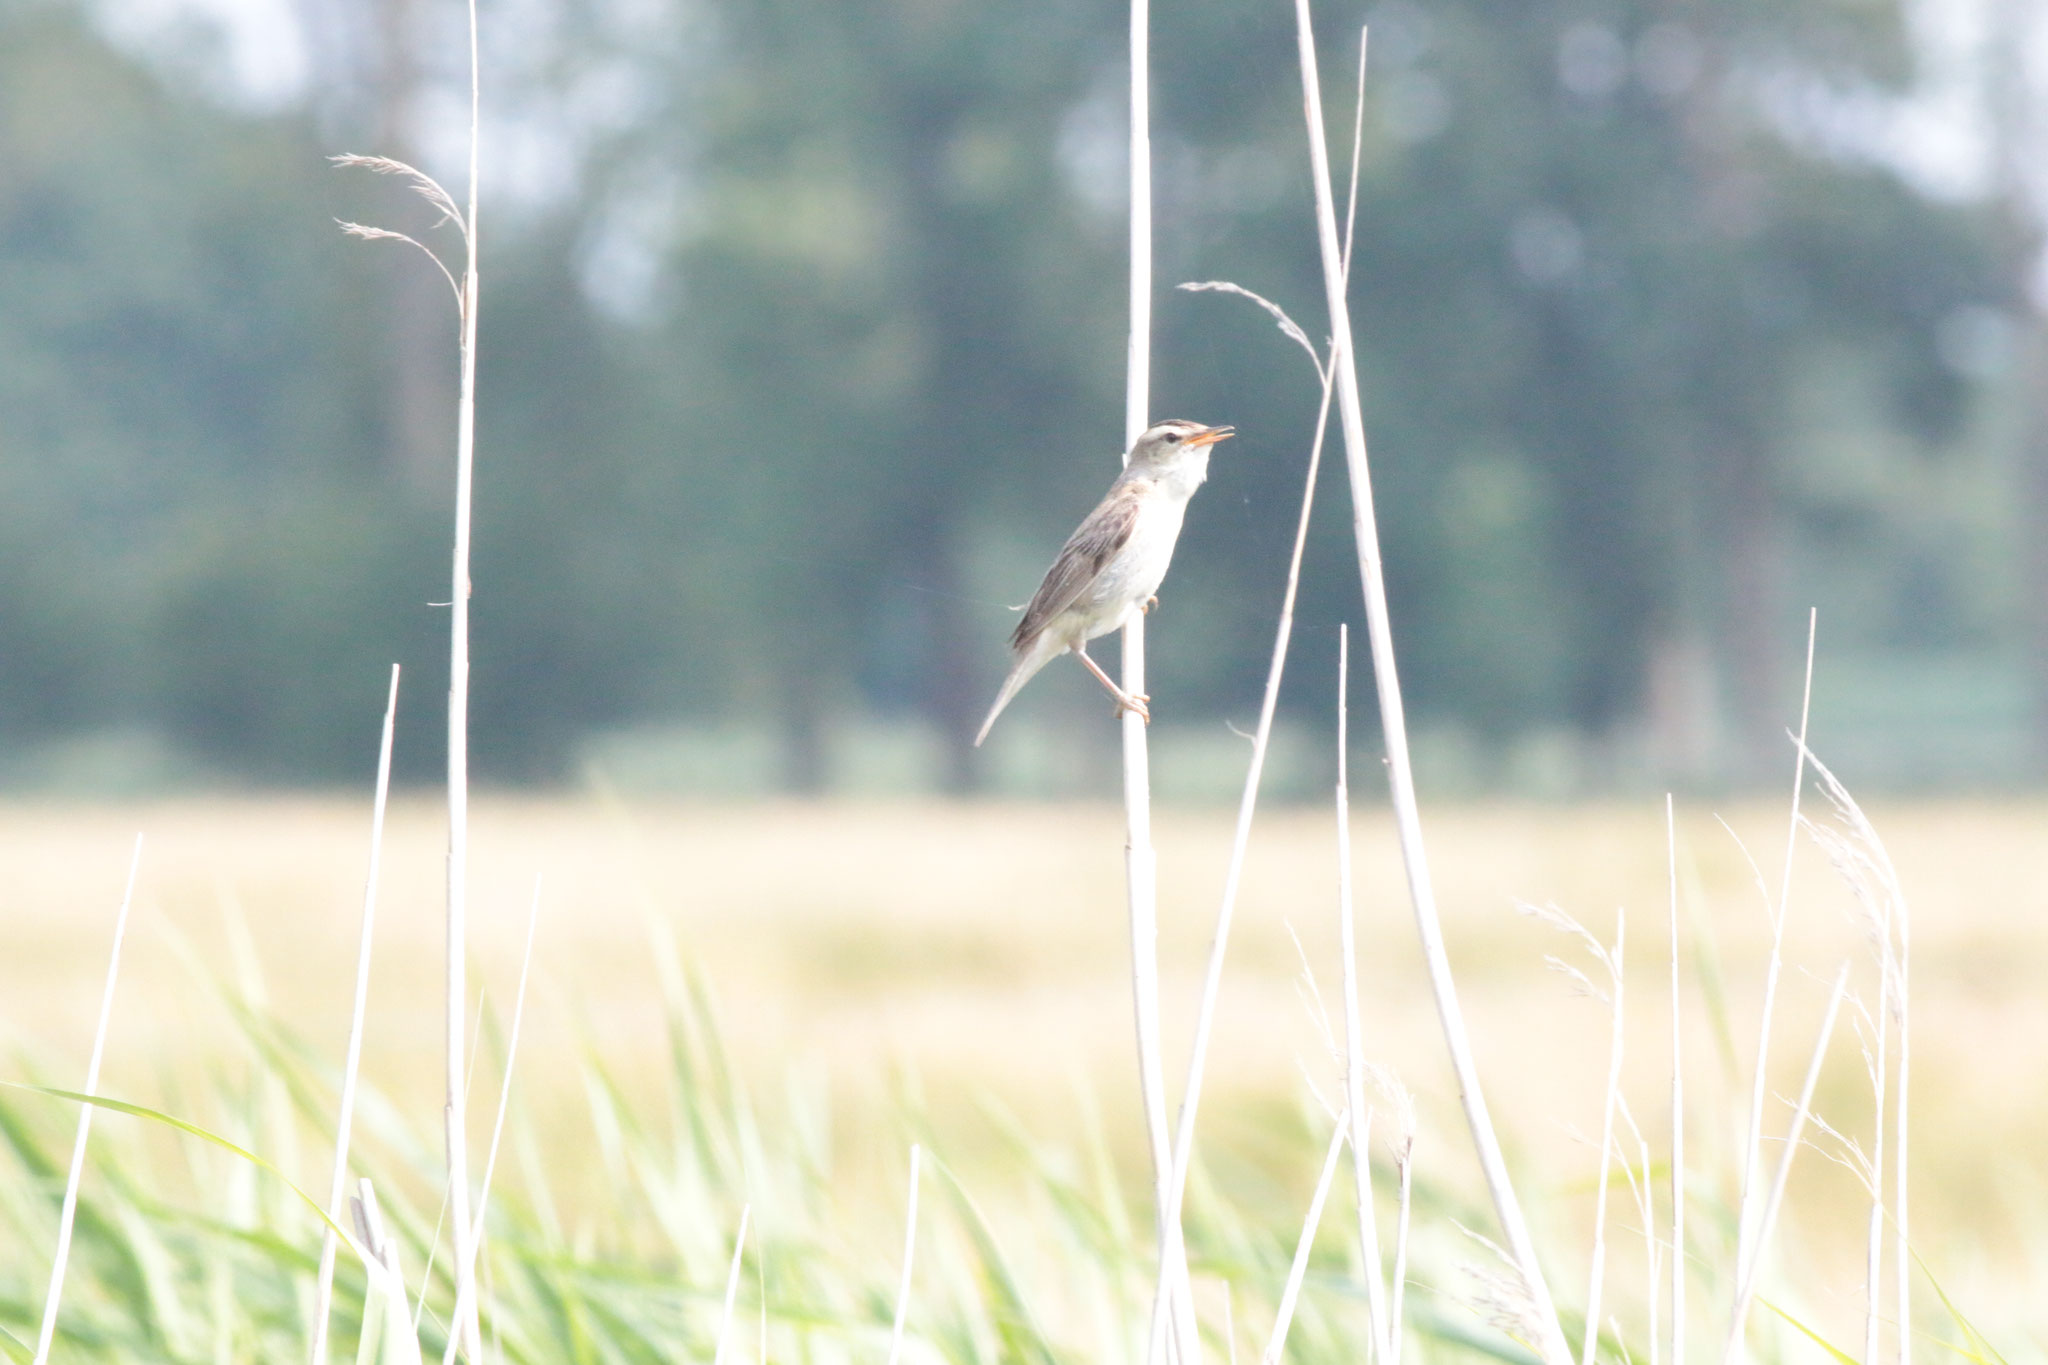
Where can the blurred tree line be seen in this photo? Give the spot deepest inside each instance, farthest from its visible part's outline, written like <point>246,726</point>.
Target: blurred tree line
<point>802,348</point>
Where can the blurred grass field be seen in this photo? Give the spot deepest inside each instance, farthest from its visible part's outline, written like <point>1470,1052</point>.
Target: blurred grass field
<point>970,960</point>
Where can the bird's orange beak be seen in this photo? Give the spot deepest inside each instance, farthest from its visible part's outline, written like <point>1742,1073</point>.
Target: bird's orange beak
<point>1211,436</point>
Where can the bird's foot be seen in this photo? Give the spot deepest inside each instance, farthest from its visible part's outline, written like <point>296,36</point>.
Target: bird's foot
<point>1145,607</point>
<point>1133,704</point>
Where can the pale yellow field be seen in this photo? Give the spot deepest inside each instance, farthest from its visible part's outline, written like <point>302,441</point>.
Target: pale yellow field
<point>982,950</point>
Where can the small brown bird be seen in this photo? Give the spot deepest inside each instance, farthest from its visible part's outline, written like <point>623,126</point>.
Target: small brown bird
<point>1113,564</point>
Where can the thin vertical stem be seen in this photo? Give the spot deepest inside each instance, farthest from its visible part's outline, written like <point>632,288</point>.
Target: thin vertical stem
<point>732,1286</point>
<point>1141,859</point>
<point>1551,1344</point>
<point>1291,1294</point>
<point>1879,1059</point>
<point>1903,1279</point>
<point>1138,852</point>
<point>1746,1230</point>
<point>1768,1211</point>
<point>469,1308</point>
<point>1378,1323</point>
<point>1596,1277</point>
<point>511,1059</point>
<point>1404,1203</point>
<point>68,1216</point>
<point>909,1253</point>
<point>1646,1202</point>
<point>1677,1104</point>
<point>1138,352</point>
<point>338,1187</point>
<point>457,1131</point>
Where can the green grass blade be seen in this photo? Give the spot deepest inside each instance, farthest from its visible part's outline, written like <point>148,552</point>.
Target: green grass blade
<point>1841,1357</point>
<point>158,1116</point>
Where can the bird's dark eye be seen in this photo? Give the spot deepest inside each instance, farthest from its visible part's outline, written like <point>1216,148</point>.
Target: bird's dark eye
<point>1172,436</point>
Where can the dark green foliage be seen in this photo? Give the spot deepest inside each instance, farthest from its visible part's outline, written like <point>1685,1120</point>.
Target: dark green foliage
<point>1607,312</point>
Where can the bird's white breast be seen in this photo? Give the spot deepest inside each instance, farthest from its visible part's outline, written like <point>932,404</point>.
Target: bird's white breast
<point>1135,573</point>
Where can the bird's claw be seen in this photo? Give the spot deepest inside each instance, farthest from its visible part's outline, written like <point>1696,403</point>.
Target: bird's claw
<point>1133,704</point>
<point>1145,608</point>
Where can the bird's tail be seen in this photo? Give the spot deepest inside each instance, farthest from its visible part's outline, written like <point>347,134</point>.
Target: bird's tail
<point>1028,662</point>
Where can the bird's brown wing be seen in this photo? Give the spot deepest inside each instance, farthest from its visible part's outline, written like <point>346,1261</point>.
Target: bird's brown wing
<point>1105,531</point>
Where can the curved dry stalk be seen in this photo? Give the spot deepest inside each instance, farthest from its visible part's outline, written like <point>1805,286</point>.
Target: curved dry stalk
<point>377,234</point>
<point>458,739</point>
<point>428,189</point>
<point>1289,328</point>
<point>424,185</point>
<point>1141,858</point>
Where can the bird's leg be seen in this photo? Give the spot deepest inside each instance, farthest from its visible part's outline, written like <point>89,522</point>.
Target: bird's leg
<point>1145,608</point>
<point>1125,701</point>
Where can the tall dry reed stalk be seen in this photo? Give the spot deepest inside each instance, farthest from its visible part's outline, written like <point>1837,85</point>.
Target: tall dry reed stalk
<point>462,1248</point>
<point>1384,1328</point>
<point>455,1127</point>
<point>1141,859</point>
<point>1547,1334</point>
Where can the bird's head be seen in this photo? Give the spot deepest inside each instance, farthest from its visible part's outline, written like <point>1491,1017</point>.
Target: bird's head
<point>1177,444</point>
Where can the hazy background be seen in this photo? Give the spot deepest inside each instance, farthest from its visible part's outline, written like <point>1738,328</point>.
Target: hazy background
<point>802,350</point>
